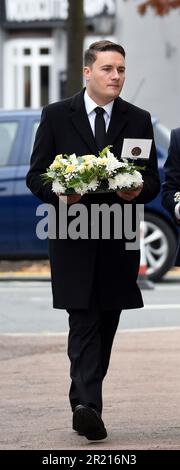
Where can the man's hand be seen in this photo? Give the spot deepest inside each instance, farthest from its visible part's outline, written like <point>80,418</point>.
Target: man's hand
<point>130,195</point>
<point>71,198</point>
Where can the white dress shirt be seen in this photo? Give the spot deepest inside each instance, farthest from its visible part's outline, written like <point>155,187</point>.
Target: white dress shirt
<point>90,105</point>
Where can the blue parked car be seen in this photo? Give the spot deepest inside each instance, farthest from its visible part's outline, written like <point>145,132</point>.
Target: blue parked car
<point>18,206</point>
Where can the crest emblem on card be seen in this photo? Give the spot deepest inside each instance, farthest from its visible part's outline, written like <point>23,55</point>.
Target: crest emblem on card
<point>136,148</point>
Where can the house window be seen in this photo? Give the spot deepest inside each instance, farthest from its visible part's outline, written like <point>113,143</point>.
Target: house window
<point>27,73</point>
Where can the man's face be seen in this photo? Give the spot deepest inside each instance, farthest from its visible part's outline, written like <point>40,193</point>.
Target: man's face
<point>105,78</point>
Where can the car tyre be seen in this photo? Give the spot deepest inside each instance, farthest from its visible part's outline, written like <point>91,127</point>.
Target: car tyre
<point>160,245</point>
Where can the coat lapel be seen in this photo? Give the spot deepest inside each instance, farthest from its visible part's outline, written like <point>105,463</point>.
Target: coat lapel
<point>78,115</point>
<point>81,122</point>
<point>119,120</point>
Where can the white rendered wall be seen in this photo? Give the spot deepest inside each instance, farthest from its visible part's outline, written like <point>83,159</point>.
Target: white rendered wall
<point>152,45</point>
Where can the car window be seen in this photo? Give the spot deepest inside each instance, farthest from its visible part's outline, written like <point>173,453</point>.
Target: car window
<point>34,129</point>
<point>161,136</point>
<point>8,132</point>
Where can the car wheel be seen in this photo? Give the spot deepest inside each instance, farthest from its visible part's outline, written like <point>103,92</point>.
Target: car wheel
<point>160,246</point>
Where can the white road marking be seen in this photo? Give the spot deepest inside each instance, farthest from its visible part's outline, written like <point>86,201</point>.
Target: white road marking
<point>120,331</point>
<point>146,307</point>
<point>169,287</point>
<point>161,307</point>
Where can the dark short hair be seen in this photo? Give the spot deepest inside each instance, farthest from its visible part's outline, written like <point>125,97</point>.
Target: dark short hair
<point>101,46</point>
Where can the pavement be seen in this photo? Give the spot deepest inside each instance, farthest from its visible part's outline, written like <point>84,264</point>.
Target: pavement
<point>141,393</point>
<point>24,270</point>
<point>40,270</point>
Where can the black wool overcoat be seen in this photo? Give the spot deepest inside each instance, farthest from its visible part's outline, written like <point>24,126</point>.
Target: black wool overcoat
<point>171,185</point>
<point>77,264</point>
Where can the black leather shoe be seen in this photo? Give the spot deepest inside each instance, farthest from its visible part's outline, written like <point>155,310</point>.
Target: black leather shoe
<point>76,429</point>
<point>75,426</point>
<point>87,422</point>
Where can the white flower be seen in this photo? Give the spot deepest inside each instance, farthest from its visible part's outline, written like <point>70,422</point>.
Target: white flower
<point>113,163</point>
<point>138,177</point>
<point>125,180</point>
<point>89,158</point>
<point>73,159</point>
<point>93,185</point>
<point>58,187</point>
<point>82,189</point>
<point>86,163</point>
<point>55,165</point>
<point>68,176</point>
<point>101,161</point>
<point>85,166</point>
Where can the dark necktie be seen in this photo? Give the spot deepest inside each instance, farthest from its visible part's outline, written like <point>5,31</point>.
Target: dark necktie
<point>100,128</point>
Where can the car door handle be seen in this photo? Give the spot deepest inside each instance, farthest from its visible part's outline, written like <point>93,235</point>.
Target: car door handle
<point>2,188</point>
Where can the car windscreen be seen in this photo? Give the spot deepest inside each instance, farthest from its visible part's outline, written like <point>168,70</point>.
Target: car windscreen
<point>161,136</point>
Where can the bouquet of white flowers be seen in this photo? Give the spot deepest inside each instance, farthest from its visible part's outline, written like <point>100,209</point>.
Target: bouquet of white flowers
<point>83,174</point>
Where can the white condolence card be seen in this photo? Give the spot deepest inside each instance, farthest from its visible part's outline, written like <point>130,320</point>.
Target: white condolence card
<point>136,148</point>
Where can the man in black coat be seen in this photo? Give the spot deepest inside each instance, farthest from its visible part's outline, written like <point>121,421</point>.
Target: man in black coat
<point>171,185</point>
<point>93,279</point>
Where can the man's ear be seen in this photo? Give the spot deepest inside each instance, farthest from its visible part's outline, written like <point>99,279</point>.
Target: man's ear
<point>87,72</point>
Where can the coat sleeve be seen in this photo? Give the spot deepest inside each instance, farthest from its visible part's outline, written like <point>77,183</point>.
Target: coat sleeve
<point>171,184</point>
<point>150,175</point>
<point>42,156</point>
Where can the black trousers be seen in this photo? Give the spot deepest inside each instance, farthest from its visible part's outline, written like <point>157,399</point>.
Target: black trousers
<point>91,334</point>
